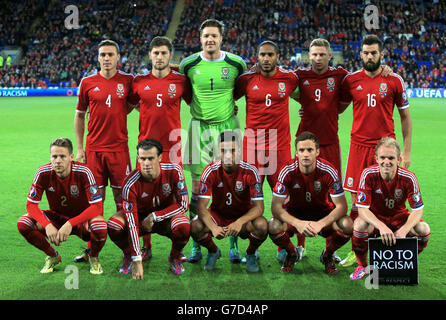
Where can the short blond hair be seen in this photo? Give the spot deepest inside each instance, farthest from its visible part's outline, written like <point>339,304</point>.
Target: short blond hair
<point>320,42</point>
<point>388,142</point>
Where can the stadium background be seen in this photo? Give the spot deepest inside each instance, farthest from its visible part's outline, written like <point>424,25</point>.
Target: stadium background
<point>46,55</point>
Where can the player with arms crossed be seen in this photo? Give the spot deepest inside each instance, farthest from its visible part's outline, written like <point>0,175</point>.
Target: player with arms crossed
<point>237,203</point>
<point>317,205</point>
<point>75,207</point>
<point>105,96</point>
<point>381,200</point>
<point>374,98</point>
<point>213,74</point>
<point>155,200</point>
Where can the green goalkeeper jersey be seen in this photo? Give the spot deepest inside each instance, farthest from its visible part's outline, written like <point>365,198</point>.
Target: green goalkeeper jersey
<point>213,85</point>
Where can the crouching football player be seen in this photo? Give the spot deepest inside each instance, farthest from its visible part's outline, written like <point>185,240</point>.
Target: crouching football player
<point>237,203</point>
<point>75,207</point>
<point>316,205</point>
<point>155,200</point>
<point>381,201</point>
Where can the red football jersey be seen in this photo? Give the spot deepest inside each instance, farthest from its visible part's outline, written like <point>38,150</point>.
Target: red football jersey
<point>160,103</point>
<point>166,197</point>
<point>69,196</point>
<point>373,103</point>
<point>388,199</point>
<point>106,100</point>
<point>319,97</point>
<point>267,101</point>
<point>231,193</point>
<point>309,193</point>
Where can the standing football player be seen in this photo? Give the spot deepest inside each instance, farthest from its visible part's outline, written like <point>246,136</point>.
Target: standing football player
<point>374,98</point>
<point>159,94</point>
<point>267,137</point>
<point>105,96</point>
<point>212,73</point>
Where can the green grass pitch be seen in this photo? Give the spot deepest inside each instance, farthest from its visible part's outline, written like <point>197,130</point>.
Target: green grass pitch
<point>29,124</point>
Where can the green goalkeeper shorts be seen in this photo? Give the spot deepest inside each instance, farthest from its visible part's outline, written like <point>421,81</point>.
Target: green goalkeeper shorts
<point>202,143</point>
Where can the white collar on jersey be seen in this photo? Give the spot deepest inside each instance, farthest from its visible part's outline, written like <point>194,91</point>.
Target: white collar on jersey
<point>222,56</point>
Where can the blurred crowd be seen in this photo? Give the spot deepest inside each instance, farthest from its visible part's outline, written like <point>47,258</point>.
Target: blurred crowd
<point>413,32</point>
<point>59,56</point>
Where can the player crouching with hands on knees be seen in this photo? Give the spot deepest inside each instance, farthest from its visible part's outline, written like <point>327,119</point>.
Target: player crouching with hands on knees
<point>381,201</point>
<point>237,203</point>
<point>75,207</point>
<point>316,206</point>
<point>155,200</point>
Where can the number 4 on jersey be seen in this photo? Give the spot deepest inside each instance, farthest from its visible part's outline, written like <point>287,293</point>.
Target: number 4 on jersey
<point>108,101</point>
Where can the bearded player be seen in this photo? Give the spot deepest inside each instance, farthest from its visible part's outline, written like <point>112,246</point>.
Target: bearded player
<point>374,98</point>
<point>320,94</point>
